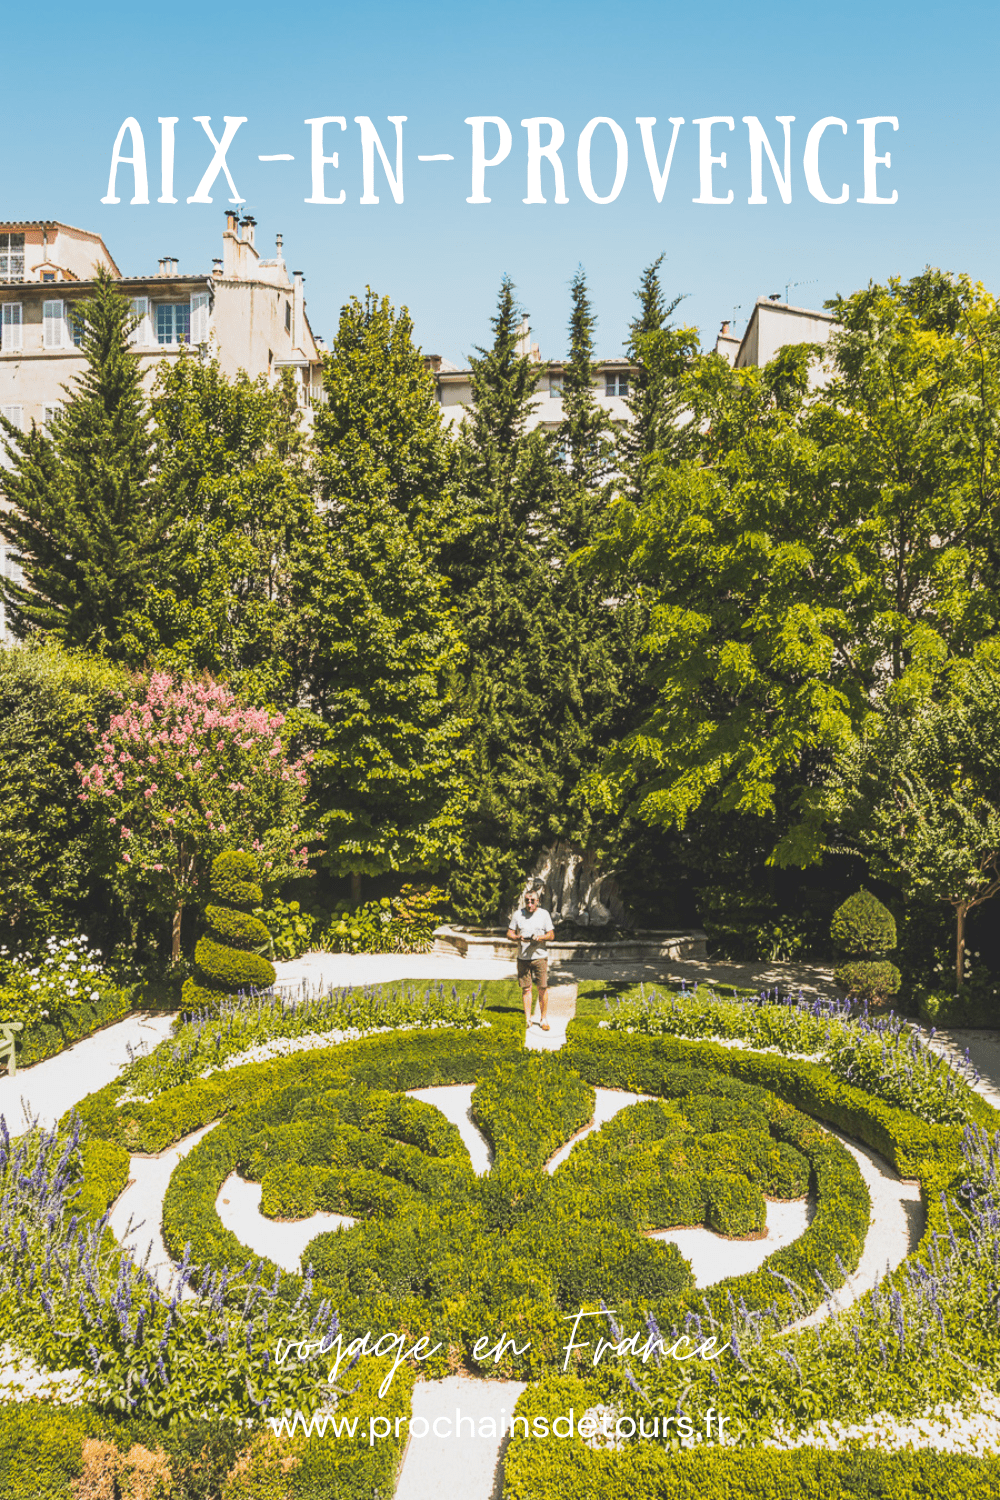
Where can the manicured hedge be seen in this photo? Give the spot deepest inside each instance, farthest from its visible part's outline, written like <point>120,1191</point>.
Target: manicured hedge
<point>77,1020</point>
<point>915,1148</point>
<point>434,1242</point>
<point>551,1468</point>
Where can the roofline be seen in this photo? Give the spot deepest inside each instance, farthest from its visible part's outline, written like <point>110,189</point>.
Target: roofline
<point>550,364</point>
<point>806,312</point>
<point>90,234</point>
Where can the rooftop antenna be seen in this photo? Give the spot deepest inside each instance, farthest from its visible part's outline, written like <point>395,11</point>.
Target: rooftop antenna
<point>790,284</point>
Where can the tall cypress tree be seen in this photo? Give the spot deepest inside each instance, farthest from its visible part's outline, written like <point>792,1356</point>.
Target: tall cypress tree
<point>500,572</point>
<point>660,353</point>
<point>379,642</point>
<point>586,437</point>
<point>89,520</point>
<point>542,670</point>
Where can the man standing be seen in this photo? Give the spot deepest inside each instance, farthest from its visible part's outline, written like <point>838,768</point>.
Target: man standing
<point>532,926</point>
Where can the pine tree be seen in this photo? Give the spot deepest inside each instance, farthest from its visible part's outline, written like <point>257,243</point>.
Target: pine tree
<point>89,520</point>
<point>379,642</point>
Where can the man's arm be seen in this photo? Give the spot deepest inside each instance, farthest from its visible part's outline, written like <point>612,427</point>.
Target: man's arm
<point>513,936</point>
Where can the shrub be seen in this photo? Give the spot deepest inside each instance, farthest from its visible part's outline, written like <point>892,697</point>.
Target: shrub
<point>872,980</point>
<point>863,927</point>
<point>290,927</point>
<point>37,987</point>
<point>227,957</point>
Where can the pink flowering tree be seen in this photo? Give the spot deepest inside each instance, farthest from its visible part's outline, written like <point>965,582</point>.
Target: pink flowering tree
<point>184,772</point>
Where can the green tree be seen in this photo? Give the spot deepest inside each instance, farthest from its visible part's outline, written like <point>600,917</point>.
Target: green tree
<point>820,560</point>
<point>379,645</point>
<point>52,705</point>
<point>928,796</point>
<point>586,435</point>
<point>231,458</point>
<point>90,519</point>
<point>499,568</point>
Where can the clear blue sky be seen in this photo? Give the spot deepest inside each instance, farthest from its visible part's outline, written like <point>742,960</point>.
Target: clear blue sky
<point>70,84</point>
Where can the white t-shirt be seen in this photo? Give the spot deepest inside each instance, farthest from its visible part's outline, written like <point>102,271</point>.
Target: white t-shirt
<point>529,929</point>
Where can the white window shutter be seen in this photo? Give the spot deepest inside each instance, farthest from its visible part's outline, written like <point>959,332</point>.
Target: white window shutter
<point>14,415</point>
<point>11,334</point>
<point>55,324</point>
<point>48,412</point>
<point>142,334</point>
<point>199,318</point>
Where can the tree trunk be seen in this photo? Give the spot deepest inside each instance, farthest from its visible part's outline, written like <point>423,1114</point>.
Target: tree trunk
<point>355,889</point>
<point>961,911</point>
<point>175,936</point>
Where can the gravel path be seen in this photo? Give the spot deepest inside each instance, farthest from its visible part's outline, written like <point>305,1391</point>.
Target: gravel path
<point>48,1089</point>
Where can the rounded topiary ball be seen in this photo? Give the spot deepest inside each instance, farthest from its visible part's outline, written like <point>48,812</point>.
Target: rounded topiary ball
<point>226,957</point>
<point>874,980</point>
<point>862,926</point>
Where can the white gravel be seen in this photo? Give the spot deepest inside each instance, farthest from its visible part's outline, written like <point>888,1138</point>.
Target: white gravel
<point>459,1460</point>
<point>454,1100</point>
<point>281,1240</point>
<point>137,1213</point>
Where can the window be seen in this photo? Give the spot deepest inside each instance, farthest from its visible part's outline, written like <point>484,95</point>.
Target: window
<point>48,412</point>
<point>616,385</point>
<point>10,327</point>
<point>11,257</point>
<point>57,334</point>
<point>74,328</point>
<point>555,388</point>
<point>173,323</point>
<point>199,318</point>
<point>288,317</point>
<point>143,331</point>
<point>48,275</point>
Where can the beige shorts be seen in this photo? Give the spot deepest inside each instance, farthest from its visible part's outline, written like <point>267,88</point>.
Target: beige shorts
<point>536,969</point>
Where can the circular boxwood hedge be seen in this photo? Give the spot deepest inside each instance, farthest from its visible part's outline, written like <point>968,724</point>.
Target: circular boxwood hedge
<point>518,1248</point>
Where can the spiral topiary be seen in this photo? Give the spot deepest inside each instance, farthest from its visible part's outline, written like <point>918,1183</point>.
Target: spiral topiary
<point>865,930</point>
<point>226,957</point>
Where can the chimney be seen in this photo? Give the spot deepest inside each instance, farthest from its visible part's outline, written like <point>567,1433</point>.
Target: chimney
<point>774,297</point>
<point>524,338</point>
<point>230,244</point>
<point>217,265</point>
<point>163,262</point>
<point>249,226</point>
<point>279,240</point>
<point>298,308</point>
<point>724,330</point>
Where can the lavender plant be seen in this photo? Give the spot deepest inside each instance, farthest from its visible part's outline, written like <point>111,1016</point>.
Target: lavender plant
<point>73,1295</point>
